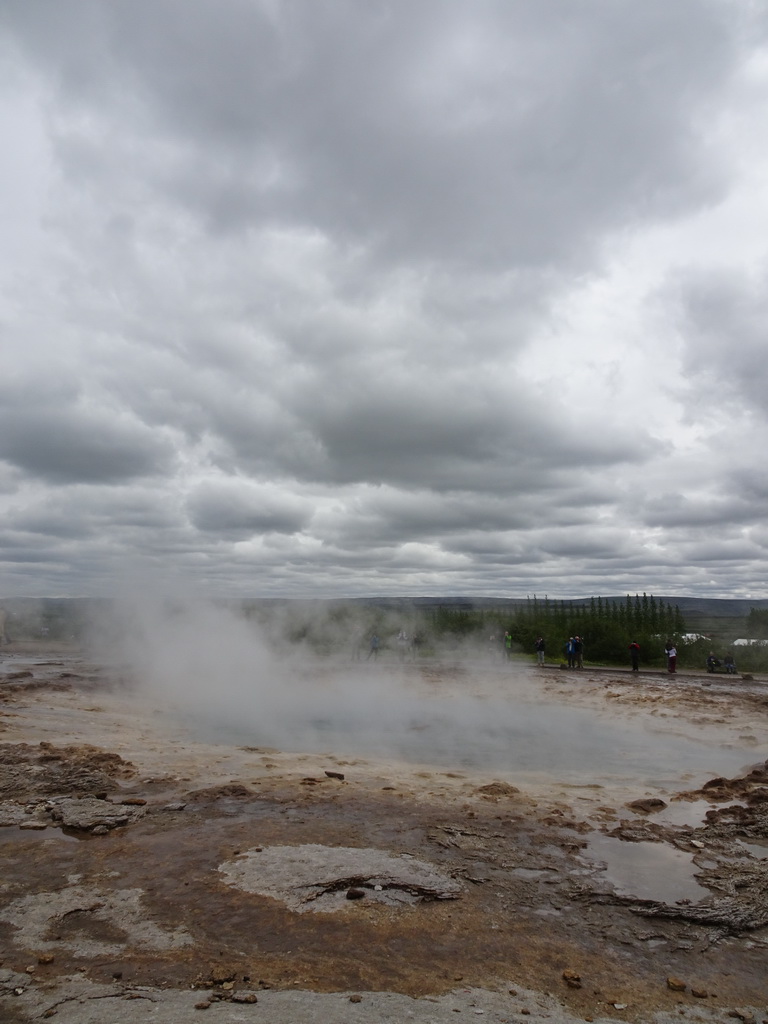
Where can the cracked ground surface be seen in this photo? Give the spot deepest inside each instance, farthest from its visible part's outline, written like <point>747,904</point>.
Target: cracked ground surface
<point>172,880</point>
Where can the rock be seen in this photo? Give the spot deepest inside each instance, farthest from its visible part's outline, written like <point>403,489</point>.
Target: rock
<point>675,984</point>
<point>10,980</point>
<point>244,997</point>
<point>202,1005</point>
<point>699,993</point>
<point>572,978</point>
<point>133,801</point>
<point>498,789</point>
<point>335,775</point>
<point>355,998</point>
<point>219,975</point>
<point>647,805</point>
<point>355,894</point>
<point>11,814</point>
<point>88,814</point>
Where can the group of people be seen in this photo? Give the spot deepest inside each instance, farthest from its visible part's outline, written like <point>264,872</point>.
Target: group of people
<point>574,652</point>
<point>404,643</point>
<point>713,663</point>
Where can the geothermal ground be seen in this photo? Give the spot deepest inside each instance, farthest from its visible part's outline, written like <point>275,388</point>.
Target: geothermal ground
<point>545,845</point>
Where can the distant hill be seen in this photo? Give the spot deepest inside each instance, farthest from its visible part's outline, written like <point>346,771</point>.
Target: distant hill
<point>715,607</point>
<point>709,606</point>
<point>66,617</point>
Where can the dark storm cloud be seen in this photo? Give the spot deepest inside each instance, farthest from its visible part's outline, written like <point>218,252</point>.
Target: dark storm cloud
<point>79,445</point>
<point>470,523</point>
<point>111,512</point>
<point>673,510</point>
<point>441,155</point>
<point>241,509</point>
<point>435,129</point>
<point>412,430</point>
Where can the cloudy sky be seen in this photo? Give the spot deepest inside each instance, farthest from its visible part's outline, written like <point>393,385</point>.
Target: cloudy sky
<point>356,297</point>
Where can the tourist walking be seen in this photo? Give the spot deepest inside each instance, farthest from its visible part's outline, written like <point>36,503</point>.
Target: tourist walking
<point>373,650</point>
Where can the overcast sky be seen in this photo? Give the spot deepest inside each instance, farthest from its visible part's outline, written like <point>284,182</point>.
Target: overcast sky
<point>364,297</point>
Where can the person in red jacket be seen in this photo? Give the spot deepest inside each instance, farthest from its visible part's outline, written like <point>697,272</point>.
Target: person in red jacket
<point>634,653</point>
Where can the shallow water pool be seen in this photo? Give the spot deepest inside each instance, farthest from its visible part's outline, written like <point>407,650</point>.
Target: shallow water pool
<point>520,732</point>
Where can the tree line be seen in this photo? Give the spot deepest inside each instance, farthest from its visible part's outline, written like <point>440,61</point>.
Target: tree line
<point>607,626</point>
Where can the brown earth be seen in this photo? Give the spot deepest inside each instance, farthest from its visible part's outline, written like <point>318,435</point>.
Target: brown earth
<point>116,826</point>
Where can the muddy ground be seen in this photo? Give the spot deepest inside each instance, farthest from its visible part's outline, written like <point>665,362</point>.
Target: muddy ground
<point>149,876</point>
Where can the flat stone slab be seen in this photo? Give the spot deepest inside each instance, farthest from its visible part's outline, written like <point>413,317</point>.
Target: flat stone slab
<point>88,813</point>
<point>319,878</point>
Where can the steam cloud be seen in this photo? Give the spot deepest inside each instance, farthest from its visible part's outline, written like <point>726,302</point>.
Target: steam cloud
<point>238,681</point>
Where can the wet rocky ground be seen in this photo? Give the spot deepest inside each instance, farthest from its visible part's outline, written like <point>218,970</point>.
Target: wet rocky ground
<point>147,874</point>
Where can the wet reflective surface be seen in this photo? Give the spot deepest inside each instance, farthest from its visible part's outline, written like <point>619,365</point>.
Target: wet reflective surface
<point>651,871</point>
<point>521,732</point>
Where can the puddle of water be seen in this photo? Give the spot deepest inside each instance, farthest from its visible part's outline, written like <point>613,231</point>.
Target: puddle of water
<point>757,849</point>
<point>14,834</point>
<point>684,813</point>
<point>530,872</point>
<point>650,871</point>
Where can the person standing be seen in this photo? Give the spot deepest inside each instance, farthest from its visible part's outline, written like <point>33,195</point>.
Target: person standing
<point>634,653</point>
<point>570,652</point>
<point>373,651</point>
<point>578,652</point>
<point>402,644</point>
<point>540,650</point>
<point>671,656</point>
